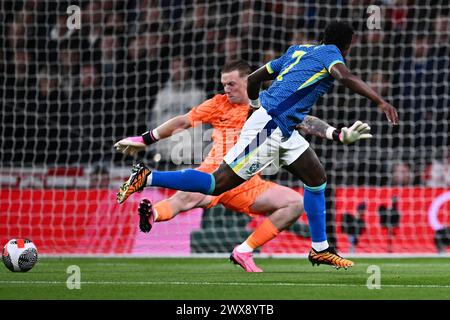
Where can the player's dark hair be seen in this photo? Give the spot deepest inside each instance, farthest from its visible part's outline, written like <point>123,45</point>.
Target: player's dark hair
<point>338,33</point>
<point>239,65</point>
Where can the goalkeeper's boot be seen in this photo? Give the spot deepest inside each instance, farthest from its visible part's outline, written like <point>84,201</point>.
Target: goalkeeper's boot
<point>245,260</point>
<point>136,182</point>
<point>329,256</point>
<point>146,216</point>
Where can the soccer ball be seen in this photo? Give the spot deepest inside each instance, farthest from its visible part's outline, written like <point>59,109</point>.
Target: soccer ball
<point>19,255</point>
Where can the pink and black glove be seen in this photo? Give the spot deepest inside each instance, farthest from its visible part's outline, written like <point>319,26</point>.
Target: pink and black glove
<point>132,145</point>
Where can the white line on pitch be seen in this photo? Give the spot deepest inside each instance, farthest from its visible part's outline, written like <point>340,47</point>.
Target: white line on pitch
<point>182,283</point>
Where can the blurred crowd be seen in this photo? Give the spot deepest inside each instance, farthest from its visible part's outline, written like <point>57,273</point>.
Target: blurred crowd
<point>67,95</point>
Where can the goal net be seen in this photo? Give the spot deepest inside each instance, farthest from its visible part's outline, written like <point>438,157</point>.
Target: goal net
<point>77,76</point>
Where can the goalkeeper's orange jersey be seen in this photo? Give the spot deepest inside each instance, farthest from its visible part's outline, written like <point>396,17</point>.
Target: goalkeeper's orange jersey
<point>227,120</point>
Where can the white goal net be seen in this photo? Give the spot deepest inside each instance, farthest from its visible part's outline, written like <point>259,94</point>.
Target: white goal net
<point>77,76</point>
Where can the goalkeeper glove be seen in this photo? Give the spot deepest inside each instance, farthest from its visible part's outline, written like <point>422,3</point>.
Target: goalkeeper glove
<point>132,145</point>
<point>359,130</point>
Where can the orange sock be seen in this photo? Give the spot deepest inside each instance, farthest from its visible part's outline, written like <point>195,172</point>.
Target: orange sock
<point>164,211</point>
<point>265,232</point>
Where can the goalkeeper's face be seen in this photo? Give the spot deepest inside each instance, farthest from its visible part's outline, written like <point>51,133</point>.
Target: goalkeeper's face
<point>235,87</point>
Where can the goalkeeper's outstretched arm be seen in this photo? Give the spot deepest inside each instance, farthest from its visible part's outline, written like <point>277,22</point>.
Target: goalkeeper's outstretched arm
<point>173,126</point>
<point>132,145</point>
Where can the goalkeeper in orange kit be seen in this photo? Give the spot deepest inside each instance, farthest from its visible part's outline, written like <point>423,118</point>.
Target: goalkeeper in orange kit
<point>227,114</point>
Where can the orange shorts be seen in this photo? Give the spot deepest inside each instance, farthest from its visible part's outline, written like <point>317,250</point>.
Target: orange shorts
<point>242,197</point>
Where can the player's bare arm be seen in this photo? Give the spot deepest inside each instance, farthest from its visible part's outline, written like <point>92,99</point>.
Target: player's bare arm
<point>354,83</point>
<point>314,126</point>
<point>254,81</point>
<point>173,126</point>
<point>133,145</point>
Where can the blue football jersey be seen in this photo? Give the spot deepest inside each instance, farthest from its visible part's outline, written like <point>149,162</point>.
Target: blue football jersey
<point>303,77</point>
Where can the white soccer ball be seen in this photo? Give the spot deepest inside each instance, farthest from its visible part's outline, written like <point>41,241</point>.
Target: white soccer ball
<point>19,255</point>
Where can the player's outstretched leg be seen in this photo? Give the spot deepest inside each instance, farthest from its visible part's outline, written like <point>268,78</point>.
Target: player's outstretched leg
<point>135,183</point>
<point>309,169</point>
<point>190,180</point>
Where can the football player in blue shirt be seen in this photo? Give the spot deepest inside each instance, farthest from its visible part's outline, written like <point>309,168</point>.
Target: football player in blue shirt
<point>301,75</point>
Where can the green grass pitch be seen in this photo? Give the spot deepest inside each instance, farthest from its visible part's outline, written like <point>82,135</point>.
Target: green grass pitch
<point>218,279</point>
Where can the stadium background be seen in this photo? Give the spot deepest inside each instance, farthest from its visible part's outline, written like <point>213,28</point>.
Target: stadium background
<point>68,95</point>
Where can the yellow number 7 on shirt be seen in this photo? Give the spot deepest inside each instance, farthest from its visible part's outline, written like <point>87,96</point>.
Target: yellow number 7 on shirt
<point>297,54</point>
